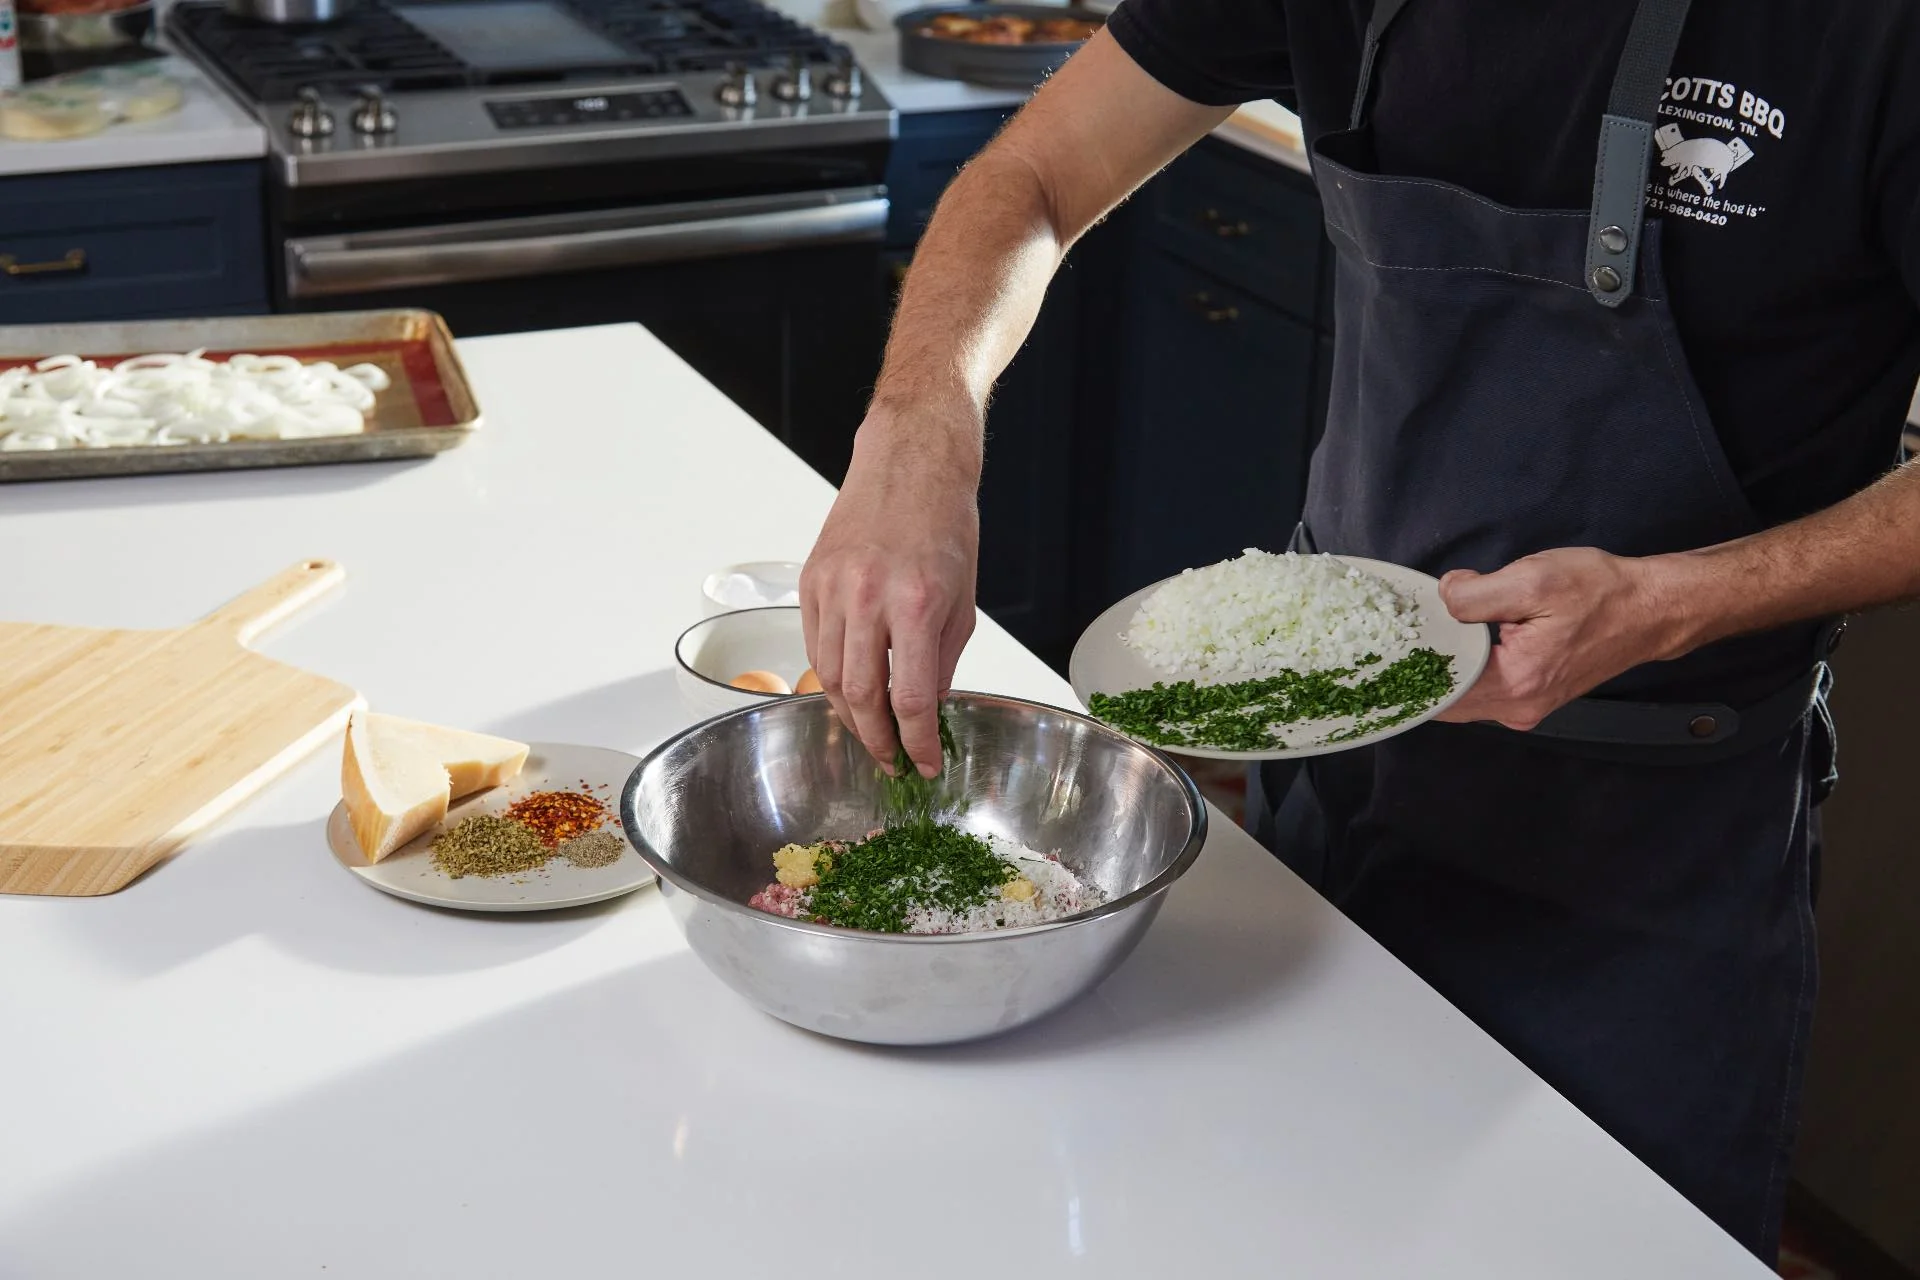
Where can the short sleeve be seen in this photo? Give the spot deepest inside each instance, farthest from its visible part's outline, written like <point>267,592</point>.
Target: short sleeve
<point>1217,52</point>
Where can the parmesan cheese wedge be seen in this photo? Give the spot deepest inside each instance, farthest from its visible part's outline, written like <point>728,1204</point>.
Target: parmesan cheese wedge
<point>399,776</point>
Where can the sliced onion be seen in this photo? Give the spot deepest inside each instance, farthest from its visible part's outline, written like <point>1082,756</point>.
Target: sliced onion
<point>168,398</point>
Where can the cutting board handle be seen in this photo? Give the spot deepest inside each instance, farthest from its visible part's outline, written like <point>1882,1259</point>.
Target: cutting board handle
<point>279,597</point>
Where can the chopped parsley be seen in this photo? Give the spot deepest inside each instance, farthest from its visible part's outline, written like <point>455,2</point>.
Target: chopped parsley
<point>913,861</point>
<point>1248,715</point>
<point>874,884</point>
<point>909,799</point>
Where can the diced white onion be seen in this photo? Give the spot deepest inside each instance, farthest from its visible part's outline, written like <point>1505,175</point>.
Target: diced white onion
<point>1262,613</point>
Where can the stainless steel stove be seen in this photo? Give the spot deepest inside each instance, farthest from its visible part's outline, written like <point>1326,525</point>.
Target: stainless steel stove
<point>425,87</point>
<point>709,168</point>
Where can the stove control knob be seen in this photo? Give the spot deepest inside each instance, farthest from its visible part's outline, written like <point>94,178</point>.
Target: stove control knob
<point>310,117</point>
<point>843,82</point>
<point>372,114</point>
<point>795,84</point>
<point>737,89</point>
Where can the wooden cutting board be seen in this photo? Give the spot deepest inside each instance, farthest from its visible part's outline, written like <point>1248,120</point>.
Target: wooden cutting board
<point>117,746</point>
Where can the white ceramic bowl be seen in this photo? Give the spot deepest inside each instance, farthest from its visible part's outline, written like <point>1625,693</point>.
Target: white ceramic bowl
<point>772,575</point>
<point>710,653</point>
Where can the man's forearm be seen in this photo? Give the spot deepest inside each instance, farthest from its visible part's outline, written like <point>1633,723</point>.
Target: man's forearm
<point>1092,134</point>
<point>1858,554</point>
<point>978,280</point>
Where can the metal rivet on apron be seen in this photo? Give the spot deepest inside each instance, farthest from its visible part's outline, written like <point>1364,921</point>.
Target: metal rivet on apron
<point>1702,726</point>
<point>1613,239</point>
<point>1606,279</point>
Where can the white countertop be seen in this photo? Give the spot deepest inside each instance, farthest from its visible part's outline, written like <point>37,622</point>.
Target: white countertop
<point>250,1064</point>
<point>208,126</point>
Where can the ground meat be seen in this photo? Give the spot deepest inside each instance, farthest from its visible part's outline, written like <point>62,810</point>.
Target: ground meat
<point>779,900</point>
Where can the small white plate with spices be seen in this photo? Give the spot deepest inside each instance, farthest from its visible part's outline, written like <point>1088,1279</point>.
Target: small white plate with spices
<point>603,867</point>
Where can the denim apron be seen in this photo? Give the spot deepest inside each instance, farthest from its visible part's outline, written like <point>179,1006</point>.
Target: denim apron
<point>1621,897</point>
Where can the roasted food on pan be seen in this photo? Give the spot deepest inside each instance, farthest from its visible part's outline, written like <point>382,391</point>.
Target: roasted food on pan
<point>1064,31</point>
<point>1003,29</point>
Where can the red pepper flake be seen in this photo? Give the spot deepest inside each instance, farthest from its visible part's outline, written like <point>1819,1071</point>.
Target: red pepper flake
<point>555,816</point>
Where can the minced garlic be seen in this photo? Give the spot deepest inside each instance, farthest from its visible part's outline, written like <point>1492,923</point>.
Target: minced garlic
<point>800,866</point>
<point>1020,890</point>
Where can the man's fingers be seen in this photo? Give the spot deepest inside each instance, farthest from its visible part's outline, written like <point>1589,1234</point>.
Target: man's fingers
<point>1510,595</point>
<point>1499,696</point>
<point>863,684</point>
<point>915,695</point>
<point>1480,703</point>
<point>810,620</point>
<point>953,642</point>
<point>829,658</point>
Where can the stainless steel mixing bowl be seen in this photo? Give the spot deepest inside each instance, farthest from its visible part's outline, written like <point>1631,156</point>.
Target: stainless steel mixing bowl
<point>707,810</point>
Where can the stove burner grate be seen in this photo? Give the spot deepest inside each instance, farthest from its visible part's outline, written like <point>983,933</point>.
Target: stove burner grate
<point>374,46</point>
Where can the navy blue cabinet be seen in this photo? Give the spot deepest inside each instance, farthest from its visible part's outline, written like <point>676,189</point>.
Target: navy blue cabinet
<point>1220,355</point>
<point>117,244</point>
<point>1209,441</point>
<point>1244,219</point>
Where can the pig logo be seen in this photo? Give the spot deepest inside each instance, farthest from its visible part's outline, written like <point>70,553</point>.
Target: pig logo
<point>1707,161</point>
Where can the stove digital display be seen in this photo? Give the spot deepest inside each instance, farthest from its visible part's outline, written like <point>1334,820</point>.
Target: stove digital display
<point>606,108</point>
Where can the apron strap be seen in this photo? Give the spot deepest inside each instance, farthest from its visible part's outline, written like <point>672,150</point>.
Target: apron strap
<point>1626,148</point>
<point>1675,732</point>
<point>1626,137</point>
<point>1384,12</point>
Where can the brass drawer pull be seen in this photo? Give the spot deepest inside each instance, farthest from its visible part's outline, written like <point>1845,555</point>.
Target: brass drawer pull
<point>1224,229</point>
<point>1212,314</point>
<point>75,260</point>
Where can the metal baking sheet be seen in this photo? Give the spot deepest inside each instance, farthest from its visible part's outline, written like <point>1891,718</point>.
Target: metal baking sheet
<point>428,408</point>
<point>1007,66</point>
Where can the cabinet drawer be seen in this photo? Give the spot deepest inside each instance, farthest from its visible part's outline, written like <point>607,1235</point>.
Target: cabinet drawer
<point>1257,226</point>
<point>118,243</point>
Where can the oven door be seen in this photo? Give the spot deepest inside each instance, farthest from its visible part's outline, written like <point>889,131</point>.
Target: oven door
<point>770,297</point>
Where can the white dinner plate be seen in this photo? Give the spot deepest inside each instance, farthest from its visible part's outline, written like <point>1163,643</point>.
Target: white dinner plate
<point>1102,662</point>
<point>408,872</point>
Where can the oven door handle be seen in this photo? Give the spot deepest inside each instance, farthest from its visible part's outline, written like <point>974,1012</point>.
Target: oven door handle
<point>470,252</point>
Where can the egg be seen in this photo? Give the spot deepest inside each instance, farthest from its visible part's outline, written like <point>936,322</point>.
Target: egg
<point>807,683</point>
<point>761,682</point>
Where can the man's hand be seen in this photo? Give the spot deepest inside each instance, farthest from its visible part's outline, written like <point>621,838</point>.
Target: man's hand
<point>893,571</point>
<point>1570,620</point>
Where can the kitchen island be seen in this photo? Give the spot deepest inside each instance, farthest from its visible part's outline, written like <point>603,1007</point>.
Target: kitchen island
<point>250,1064</point>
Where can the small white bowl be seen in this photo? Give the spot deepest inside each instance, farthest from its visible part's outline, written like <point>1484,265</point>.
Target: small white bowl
<point>777,576</point>
<point>710,653</point>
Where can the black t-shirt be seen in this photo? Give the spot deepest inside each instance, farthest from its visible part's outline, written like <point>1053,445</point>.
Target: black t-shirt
<point>1794,289</point>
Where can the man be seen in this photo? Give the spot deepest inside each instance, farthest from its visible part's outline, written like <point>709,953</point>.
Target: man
<point>1626,331</point>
